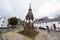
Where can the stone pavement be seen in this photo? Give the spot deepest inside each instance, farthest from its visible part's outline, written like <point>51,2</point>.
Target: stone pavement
<point>17,36</point>
<point>53,35</point>
<point>43,35</point>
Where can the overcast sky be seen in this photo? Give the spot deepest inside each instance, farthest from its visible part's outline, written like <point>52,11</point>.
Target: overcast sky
<point>40,8</point>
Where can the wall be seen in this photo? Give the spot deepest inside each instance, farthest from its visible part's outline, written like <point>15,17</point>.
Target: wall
<point>3,22</point>
<point>50,24</point>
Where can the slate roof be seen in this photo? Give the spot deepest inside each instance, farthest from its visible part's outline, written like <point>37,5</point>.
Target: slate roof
<point>48,20</point>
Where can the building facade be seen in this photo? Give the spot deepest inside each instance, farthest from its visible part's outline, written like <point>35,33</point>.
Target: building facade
<point>48,22</point>
<point>3,22</point>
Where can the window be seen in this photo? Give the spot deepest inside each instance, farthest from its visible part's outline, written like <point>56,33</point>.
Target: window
<point>1,24</point>
<point>3,21</point>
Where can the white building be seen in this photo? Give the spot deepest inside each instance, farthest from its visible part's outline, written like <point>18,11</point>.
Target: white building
<point>48,22</point>
<point>3,22</point>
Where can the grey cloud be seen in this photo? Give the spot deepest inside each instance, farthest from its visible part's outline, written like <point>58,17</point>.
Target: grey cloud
<point>19,8</point>
<point>56,13</point>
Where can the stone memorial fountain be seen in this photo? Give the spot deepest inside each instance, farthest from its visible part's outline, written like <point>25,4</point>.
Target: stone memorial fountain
<point>29,29</point>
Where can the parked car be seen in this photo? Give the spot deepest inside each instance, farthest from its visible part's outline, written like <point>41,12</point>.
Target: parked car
<point>42,28</point>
